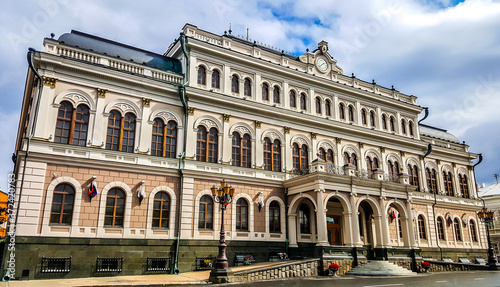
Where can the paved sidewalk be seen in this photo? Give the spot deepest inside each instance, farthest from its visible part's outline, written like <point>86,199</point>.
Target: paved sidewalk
<point>187,278</point>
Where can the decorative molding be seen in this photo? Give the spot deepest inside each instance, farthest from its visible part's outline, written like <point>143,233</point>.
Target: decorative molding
<point>101,93</point>
<point>258,124</point>
<point>361,145</point>
<point>51,82</point>
<point>146,102</point>
<point>287,130</point>
<point>313,136</point>
<point>402,153</point>
<point>208,123</point>
<point>242,130</point>
<point>438,161</point>
<point>191,111</point>
<point>226,117</point>
<point>382,149</point>
<point>338,140</point>
<point>76,99</point>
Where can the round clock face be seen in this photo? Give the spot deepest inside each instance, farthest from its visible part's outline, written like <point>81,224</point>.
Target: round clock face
<point>321,64</point>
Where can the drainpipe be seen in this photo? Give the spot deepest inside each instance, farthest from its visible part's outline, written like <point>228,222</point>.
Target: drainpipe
<point>31,51</point>
<point>182,157</point>
<point>426,109</point>
<point>474,172</point>
<point>286,222</point>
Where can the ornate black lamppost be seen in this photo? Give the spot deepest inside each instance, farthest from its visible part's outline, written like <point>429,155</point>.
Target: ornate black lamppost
<point>223,195</point>
<point>486,216</point>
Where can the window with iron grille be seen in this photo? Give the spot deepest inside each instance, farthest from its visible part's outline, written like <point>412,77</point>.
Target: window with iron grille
<point>109,264</point>
<point>158,264</point>
<point>56,265</point>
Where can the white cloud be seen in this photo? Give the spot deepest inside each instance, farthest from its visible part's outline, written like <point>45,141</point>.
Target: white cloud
<point>10,123</point>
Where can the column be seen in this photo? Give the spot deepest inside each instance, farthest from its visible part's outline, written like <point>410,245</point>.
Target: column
<point>382,162</point>
<point>44,128</point>
<point>313,149</point>
<point>357,114</point>
<point>191,135</point>
<point>361,157</point>
<point>410,228</point>
<point>226,82</point>
<point>321,219</point>
<point>384,224</point>
<point>98,134</point>
<point>292,230</point>
<point>378,119</point>
<point>335,108</point>
<point>421,175</point>
<point>258,88</point>
<point>186,205</point>
<point>311,107</point>
<point>397,124</point>
<point>225,139</point>
<point>146,130</point>
<point>356,239</point>
<point>339,157</point>
<point>286,95</point>
<point>288,164</point>
<point>258,151</point>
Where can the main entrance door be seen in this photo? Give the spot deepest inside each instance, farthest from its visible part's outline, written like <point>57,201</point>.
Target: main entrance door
<point>334,227</point>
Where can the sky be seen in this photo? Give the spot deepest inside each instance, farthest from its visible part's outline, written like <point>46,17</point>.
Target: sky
<point>444,52</point>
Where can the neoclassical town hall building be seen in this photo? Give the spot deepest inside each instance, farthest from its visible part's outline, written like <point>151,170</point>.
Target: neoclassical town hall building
<point>321,162</point>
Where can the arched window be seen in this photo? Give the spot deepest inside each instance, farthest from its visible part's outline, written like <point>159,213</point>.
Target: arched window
<point>164,140</point>
<point>371,165</point>
<point>384,122</point>
<point>274,217</point>
<point>161,210</point>
<point>121,132</point>
<point>265,92</point>
<point>242,150</point>
<point>206,213</point>
<point>354,160</point>
<point>350,159</point>
<point>204,140</point>
<point>241,215</point>
<point>341,111</point>
<point>115,208</point>
<point>303,105</point>
<point>293,99</point>
<point>328,108</point>
<point>457,229</point>
<point>391,124</point>
<point>464,185</point>
<point>448,183</point>
<point>347,158</point>
<point>272,155</point>
<point>351,113</point>
<point>403,126</point>
<point>372,119</point>
<point>72,125</point>
<point>276,95</point>
<point>235,84</point>
<point>216,79</point>
<point>363,117</point>
<point>318,105</point>
<point>413,173</point>
<point>62,204</point>
<point>305,224</point>
<point>393,169</point>
<point>202,76</point>
<point>327,156</point>
<point>410,128</point>
<point>421,227</point>
<point>440,228</point>
<point>300,157</point>
<point>431,179</point>
<point>247,88</point>
<point>473,234</point>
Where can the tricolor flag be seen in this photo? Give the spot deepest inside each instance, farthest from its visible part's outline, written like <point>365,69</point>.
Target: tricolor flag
<point>93,189</point>
<point>393,214</point>
<point>450,221</point>
<point>142,193</point>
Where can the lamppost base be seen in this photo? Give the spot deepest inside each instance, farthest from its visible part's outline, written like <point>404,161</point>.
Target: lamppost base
<point>218,276</point>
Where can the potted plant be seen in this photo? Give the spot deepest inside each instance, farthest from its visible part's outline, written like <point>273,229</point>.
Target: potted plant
<point>248,260</point>
<point>334,267</point>
<point>426,265</point>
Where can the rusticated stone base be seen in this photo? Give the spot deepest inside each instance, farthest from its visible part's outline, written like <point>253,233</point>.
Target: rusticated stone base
<point>218,276</point>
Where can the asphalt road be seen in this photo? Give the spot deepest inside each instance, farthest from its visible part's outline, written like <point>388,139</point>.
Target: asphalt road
<point>441,279</point>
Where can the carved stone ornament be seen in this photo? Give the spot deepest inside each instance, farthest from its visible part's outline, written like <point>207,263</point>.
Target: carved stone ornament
<point>77,99</point>
<point>313,136</point>
<point>287,130</point>
<point>300,141</point>
<point>242,130</point>
<point>258,124</point>
<point>326,146</point>
<point>51,82</point>
<point>338,140</point>
<point>350,150</point>
<point>166,116</point>
<point>191,111</point>
<point>272,136</point>
<point>361,145</point>
<point>146,102</point>
<point>382,149</point>
<point>226,117</point>
<point>208,123</point>
<point>402,153</point>
<point>101,93</point>
<point>124,108</point>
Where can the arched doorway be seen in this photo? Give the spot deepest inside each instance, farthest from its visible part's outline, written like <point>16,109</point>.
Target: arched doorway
<point>367,227</point>
<point>335,222</point>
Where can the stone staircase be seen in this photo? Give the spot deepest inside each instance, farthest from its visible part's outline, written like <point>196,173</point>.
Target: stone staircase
<point>380,268</point>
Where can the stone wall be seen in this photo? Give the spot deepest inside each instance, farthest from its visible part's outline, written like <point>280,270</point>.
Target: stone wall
<point>305,268</point>
<point>345,265</point>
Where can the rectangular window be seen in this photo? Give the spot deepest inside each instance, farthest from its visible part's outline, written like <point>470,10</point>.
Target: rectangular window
<point>56,265</point>
<point>159,264</point>
<point>109,264</point>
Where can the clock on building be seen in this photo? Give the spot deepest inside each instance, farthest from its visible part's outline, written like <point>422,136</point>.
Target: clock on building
<point>321,64</point>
